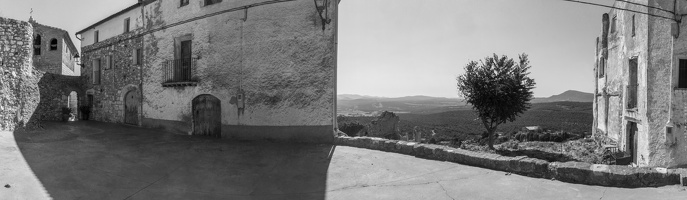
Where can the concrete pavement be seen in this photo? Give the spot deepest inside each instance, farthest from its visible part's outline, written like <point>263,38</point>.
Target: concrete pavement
<point>93,160</point>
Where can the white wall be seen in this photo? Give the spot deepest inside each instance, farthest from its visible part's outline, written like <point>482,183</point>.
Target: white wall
<point>113,27</point>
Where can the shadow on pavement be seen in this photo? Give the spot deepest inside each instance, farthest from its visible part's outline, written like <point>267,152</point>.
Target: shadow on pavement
<point>94,160</point>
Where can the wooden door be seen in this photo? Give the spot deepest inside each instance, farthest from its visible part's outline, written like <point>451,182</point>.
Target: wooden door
<point>183,70</point>
<point>207,116</point>
<point>632,140</point>
<point>131,107</point>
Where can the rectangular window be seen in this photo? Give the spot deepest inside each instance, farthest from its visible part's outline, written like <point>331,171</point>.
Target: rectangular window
<point>108,62</point>
<point>613,24</point>
<point>96,72</point>
<point>210,2</point>
<point>138,56</point>
<point>127,25</point>
<point>95,37</point>
<point>183,3</point>
<point>633,25</point>
<point>682,76</point>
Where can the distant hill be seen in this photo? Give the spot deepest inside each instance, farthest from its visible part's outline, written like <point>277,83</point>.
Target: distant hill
<point>573,117</point>
<point>355,105</point>
<point>570,95</point>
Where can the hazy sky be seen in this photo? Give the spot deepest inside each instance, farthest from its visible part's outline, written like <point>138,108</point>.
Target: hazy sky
<point>417,47</point>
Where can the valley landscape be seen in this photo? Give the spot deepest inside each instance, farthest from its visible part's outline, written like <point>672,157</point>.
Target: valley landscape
<point>570,111</point>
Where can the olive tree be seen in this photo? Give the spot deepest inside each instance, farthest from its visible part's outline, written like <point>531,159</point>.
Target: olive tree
<point>498,89</point>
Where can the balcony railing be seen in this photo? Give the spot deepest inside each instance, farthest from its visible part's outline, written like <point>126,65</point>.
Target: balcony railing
<point>631,96</point>
<point>179,72</point>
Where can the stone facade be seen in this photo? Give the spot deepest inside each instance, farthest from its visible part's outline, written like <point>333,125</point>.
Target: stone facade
<point>55,58</point>
<point>271,64</point>
<point>639,103</point>
<point>18,80</point>
<point>116,78</point>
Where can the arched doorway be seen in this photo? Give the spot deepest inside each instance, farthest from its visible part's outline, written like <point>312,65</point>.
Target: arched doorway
<point>132,103</point>
<point>207,116</point>
<point>72,103</point>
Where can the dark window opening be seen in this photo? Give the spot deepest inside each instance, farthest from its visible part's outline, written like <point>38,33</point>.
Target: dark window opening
<point>138,56</point>
<point>183,3</point>
<point>127,25</point>
<point>210,2</point>
<point>602,67</point>
<point>633,25</point>
<point>53,44</point>
<point>682,76</point>
<point>95,37</point>
<point>37,45</point>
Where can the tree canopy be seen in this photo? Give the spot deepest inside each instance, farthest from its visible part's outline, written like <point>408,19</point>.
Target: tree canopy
<point>498,89</point>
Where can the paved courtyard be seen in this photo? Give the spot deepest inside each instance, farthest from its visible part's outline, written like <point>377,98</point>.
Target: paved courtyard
<point>93,160</point>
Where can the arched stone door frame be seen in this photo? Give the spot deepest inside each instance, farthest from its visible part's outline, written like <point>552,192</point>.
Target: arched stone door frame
<point>123,92</point>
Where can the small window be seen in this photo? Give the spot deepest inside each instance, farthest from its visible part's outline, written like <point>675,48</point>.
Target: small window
<point>96,72</point>
<point>613,22</point>
<point>127,25</point>
<point>682,76</point>
<point>210,2</point>
<point>633,25</point>
<point>138,56</point>
<point>53,44</point>
<point>37,45</point>
<point>602,67</point>
<point>108,62</point>
<point>95,37</point>
<point>183,3</point>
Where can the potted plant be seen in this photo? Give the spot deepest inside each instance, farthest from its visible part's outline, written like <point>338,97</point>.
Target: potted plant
<point>66,113</point>
<point>85,112</point>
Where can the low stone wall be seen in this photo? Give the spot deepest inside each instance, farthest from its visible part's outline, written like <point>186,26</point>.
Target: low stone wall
<point>572,172</point>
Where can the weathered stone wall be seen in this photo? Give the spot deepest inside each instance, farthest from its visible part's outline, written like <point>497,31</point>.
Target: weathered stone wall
<point>123,76</point>
<point>665,149</point>
<point>54,95</point>
<point>612,113</point>
<point>18,81</point>
<point>282,58</point>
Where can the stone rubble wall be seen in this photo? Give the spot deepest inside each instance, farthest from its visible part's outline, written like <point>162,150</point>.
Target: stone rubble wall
<point>572,172</point>
<point>18,81</point>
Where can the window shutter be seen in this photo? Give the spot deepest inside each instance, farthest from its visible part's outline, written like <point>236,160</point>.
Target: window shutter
<point>134,57</point>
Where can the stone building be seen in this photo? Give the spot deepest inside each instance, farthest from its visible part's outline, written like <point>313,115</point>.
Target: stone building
<point>247,69</point>
<point>641,81</point>
<point>53,50</point>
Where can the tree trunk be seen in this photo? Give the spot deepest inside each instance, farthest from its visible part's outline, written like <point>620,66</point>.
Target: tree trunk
<point>491,138</point>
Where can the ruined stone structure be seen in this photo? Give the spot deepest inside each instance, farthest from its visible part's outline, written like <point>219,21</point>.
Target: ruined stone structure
<point>53,50</point>
<point>246,69</point>
<point>385,126</point>
<point>641,82</point>
<point>18,82</point>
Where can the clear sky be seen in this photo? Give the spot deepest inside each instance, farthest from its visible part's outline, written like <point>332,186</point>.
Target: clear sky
<point>417,47</point>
